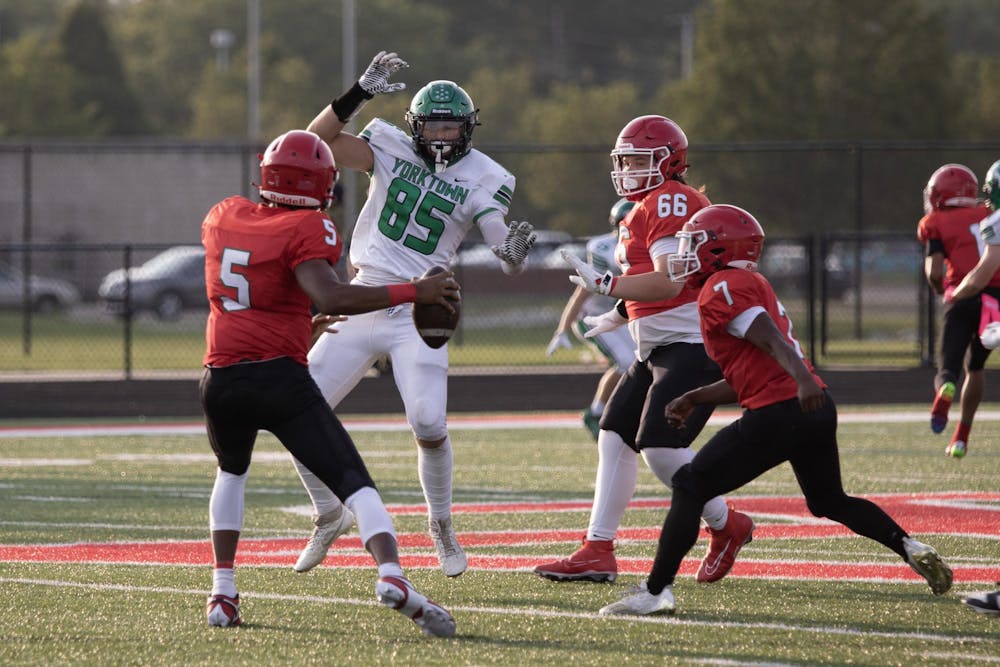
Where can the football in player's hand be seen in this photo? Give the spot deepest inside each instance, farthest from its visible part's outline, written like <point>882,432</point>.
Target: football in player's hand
<point>435,324</point>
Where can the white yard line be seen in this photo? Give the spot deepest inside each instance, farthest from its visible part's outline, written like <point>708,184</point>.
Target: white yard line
<point>521,612</point>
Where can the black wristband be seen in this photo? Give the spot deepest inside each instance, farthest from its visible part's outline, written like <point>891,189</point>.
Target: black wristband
<point>348,104</point>
<point>620,307</point>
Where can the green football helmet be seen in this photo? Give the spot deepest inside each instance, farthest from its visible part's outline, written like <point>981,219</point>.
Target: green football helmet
<point>446,103</point>
<point>991,186</point>
<point>619,211</point>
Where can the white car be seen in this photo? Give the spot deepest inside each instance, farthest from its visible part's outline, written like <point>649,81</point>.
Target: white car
<point>555,260</point>
<point>47,295</point>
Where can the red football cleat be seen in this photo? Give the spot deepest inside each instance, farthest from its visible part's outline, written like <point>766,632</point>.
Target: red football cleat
<point>941,406</point>
<point>594,561</point>
<point>724,546</point>
<point>223,611</point>
<point>399,594</point>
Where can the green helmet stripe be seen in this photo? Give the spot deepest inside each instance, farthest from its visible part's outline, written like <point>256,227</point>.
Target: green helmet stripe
<point>991,186</point>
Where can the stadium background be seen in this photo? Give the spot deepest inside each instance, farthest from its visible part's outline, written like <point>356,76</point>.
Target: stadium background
<point>131,119</point>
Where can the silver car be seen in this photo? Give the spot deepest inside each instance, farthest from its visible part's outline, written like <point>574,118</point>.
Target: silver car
<point>46,295</point>
<point>167,285</point>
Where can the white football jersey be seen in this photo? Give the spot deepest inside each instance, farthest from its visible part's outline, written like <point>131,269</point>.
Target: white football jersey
<point>413,218</point>
<point>989,229</point>
<point>601,255</point>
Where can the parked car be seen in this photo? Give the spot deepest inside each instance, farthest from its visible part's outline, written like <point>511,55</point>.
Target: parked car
<point>555,260</point>
<point>785,265</point>
<point>167,285</point>
<point>47,295</point>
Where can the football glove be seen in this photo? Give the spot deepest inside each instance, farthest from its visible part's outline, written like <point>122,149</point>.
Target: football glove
<point>514,249</point>
<point>560,339</point>
<point>375,80</point>
<point>587,276</point>
<point>604,323</point>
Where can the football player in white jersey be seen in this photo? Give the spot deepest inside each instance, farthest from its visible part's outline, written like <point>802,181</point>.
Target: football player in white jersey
<point>428,188</point>
<point>616,345</point>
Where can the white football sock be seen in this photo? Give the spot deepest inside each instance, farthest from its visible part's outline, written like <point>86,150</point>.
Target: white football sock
<point>225,506</point>
<point>665,461</point>
<point>224,582</point>
<point>370,514</point>
<point>617,469</point>
<point>435,468</point>
<point>322,497</point>
<point>390,570</point>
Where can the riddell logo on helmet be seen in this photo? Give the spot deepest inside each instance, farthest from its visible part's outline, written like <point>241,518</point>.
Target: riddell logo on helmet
<point>290,200</point>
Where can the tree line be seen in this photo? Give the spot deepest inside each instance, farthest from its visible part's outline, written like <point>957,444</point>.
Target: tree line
<point>544,73</point>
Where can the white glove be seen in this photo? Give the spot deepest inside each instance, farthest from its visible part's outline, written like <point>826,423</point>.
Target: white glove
<point>560,339</point>
<point>375,80</point>
<point>587,276</point>
<point>604,323</point>
<point>520,237</point>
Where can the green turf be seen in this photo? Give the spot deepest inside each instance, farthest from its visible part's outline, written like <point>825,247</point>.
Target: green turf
<point>134,614</point>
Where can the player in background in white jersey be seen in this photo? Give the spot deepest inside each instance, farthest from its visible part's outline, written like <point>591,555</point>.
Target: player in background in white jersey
<point>428,188</point>
<point>616,345</point>
<point>972,284</point>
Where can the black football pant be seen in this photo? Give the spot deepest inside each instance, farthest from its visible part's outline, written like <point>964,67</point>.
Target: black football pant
<point>758,441</point>
<point>636,408</point>
<point>281,397</point>
<point>960,344</point>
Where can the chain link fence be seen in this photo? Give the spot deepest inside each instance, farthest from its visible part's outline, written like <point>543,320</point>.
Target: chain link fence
<point>125,311</point>
<point>82,217</point>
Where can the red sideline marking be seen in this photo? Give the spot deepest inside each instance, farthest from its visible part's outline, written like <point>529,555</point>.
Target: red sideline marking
<point>934,513</point>
<point>259,552</point>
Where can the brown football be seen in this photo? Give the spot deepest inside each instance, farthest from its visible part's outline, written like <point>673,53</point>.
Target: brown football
<point>434,323</point>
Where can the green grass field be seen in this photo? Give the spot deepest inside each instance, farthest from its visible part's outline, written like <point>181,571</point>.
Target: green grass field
<point>91,489</point>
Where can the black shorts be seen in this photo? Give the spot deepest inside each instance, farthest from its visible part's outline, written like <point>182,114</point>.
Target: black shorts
<point>960,344</point>
<point>281,397</point>
<point>636,409</point>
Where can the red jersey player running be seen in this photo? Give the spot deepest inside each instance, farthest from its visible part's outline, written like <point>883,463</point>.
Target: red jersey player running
<point>949,231</point>
<point>264,263</point>
<point>788,414</point>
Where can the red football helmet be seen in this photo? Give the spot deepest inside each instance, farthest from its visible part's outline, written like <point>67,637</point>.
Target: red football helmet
<point>658,138</point>
<point>951,185</point>
<point>716,237</point>
<point>297,169</point>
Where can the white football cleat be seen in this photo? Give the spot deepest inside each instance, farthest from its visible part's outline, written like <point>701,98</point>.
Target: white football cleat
<point>928,564</point>
<point>399,594</point>
<point>450,553</point>
<point>223,611</point>
<point>638,601</point>
<point>328,527</point>
<point>984,603</point>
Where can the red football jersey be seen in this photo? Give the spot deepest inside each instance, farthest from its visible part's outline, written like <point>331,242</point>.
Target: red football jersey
<point>661,213</point>
<point>756,377</point>
<point>958,231</point>
<point>257,309</point>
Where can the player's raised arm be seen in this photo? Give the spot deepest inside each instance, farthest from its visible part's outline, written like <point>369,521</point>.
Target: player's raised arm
<point>350,151</point>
